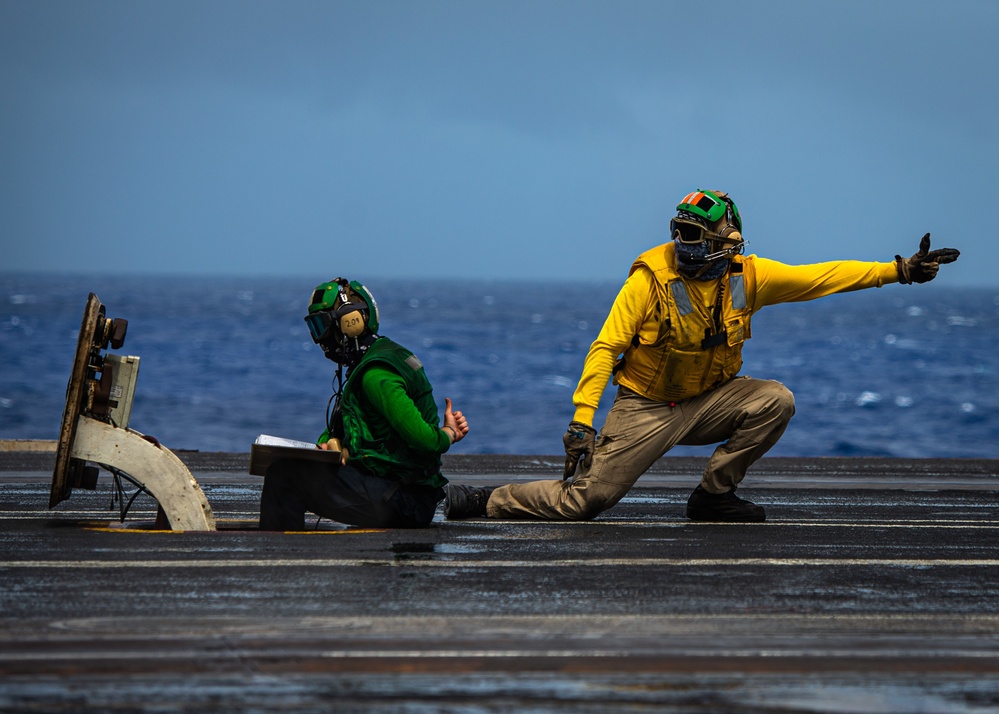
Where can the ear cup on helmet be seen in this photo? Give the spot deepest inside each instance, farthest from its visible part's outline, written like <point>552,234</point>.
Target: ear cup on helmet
<point>352,324</point>
<point>731,232</point>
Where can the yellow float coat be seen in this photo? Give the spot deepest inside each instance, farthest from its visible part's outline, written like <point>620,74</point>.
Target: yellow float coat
<point>663,358</point>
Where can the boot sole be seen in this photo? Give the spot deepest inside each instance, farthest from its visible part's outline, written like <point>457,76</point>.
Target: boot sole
<point>708,515</point>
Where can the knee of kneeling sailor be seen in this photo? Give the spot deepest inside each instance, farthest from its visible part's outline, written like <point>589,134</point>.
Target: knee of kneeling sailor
<point>586,512</point>
<point>584,505</point>
<point>782,399</point>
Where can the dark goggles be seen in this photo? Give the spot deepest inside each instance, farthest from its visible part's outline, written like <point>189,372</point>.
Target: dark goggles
<point>691,232</point>
<point>321,324</point>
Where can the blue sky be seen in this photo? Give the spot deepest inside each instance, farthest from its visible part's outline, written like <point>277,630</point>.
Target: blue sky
<point>489,139</point>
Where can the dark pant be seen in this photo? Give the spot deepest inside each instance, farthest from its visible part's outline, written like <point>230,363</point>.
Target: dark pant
<point>343,494</point>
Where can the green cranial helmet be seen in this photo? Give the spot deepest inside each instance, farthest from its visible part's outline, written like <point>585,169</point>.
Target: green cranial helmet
<point>710,206</point>
<point>707,233</point>
<point>341,308</point>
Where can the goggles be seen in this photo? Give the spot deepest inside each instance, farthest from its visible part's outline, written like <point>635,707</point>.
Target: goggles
<point>348,320</point>
<point>692,232</point>
<point>321,324</point>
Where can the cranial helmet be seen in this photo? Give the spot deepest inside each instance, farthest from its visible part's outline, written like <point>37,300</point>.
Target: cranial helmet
<point>706,232</point>
<point>710,206</point>
<point>342,319</point>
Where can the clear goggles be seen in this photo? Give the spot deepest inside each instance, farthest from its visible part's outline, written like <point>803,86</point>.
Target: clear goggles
<point>321,324</point>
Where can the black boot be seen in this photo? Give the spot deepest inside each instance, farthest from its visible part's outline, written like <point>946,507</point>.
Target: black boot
<point>465,501</point>
<point>706,506</point>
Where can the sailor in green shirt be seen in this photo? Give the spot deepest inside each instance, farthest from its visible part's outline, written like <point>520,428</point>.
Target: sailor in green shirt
<point>384,423</point>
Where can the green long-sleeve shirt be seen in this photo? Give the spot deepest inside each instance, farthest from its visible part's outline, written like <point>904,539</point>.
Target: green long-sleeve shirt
<point>386,392</point>
<point>390,420</point>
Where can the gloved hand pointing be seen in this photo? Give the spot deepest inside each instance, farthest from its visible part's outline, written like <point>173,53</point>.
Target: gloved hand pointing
<point>579,441</point>
<point>923,266</point>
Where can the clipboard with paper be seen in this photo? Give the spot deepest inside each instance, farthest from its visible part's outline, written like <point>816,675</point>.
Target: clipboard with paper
<point>267,449</point>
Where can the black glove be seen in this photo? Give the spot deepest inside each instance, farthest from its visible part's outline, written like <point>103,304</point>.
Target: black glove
<point>923,266</point>
<point>579,440</point>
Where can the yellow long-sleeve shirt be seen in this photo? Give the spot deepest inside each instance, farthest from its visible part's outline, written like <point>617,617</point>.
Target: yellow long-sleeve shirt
<point>635,312</point>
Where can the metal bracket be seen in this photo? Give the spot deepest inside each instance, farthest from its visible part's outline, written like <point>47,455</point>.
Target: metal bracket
<point>89,433</point>
<point>155,467</point>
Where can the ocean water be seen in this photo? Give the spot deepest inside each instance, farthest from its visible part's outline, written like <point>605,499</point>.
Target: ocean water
<point>905,371</point>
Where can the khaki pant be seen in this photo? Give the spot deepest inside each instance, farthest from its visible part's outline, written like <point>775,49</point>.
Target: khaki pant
<point>748,415</point>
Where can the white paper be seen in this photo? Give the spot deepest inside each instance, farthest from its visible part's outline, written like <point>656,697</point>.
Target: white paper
<point>268,440</point>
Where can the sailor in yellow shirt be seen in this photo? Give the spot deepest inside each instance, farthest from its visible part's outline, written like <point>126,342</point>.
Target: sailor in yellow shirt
<point>673,345</point>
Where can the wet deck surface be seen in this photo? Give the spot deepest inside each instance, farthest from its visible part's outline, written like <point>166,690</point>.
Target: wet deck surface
<point>873,587</point>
